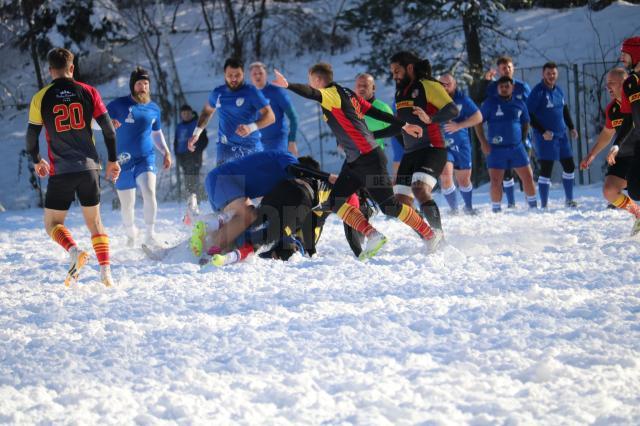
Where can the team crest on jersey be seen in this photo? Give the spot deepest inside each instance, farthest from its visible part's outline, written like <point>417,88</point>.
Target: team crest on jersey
<point>64,94</point>
<point>459,106</point>
<point>357,107</point>
<point>549,103</point>
<point>415,93</point>
<point>519,97</point>
<point>239,102</point>
<point>129,118</point>
<point>499,112</point>
<point>404,104</point>
<point>616,123</point>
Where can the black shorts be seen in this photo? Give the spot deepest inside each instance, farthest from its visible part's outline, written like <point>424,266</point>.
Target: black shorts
<point>621,168</point>
<point>62,190</point>
<point>429,160</point>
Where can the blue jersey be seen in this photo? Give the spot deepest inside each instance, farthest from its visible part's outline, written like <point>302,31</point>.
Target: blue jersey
<point>184,130</point>
<point>467,108</point>
<point>505,119</point>
<point>236,107</point>
<point>548,107</point>
<point>278,132</point>
<point>521,90</point>
<point>137,121</point>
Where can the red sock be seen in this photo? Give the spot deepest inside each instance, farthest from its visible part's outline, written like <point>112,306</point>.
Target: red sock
<point>355,219</point>
<point>626,203</point>
<point>410,217</point>
<point>245,250</point>
<point>101,248</point>
<point>354,201</point>
<point>61,235</point>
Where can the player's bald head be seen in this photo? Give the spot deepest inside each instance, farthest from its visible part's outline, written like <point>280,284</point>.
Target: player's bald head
<point>365,85</point>
<point>449,83</point>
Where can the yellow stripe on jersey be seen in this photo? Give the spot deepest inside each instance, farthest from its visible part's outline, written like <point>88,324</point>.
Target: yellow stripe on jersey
<point>35,109</point>
<point>436,95</point>
<point>634,97</point>
<point>404,104</point>
<point>330,98</point>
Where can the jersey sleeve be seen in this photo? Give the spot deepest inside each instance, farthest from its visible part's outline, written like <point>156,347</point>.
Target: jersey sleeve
<point>258,99</point>
<point>157,123</point>
<point>365,105</point>
<point>98,105</point>
<point>213,97</point>
<point>607,114</point>
<point>436,95</point>
<point>468,107</point>
<point>35,108</point>
<point>630,93</point>
<point>330,98</point>
<point>524,118</point>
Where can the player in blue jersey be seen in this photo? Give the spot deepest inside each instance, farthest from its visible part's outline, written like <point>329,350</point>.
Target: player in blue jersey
<point>189,162</point>
<point>280,135</point>
<point>138,124</point>
<point>550,119</point>
<point>458,144</point>
<point>508,124</point>
<point>242,112</point>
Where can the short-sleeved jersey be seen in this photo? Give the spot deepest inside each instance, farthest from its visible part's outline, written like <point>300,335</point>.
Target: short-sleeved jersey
<point>262,171</point>
<point>521,90</point>
<point>280,103</point>
<point>184,130</point>
<point>236,107</point>
<point>613,115</point>
<point>547,105</point>
<point>466,108</point>
<point>344,112</point>
<point>375,125</point>
<point>137,121</point>
<point>431,97</point>
<point>65,108</point>
<point>504,119</point>
<point>630,92</point>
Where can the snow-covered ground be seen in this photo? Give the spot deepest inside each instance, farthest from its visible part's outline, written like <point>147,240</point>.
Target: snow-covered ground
<point>525,318</point>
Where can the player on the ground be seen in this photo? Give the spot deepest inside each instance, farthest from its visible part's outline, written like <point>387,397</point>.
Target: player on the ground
<point>280,135</point>
<point>550,119</point>
<point>65,108</point>
<point>508,123</point>
<point>629,132</point>
<point>458,145</point>
<point>242,112</point>
<point>365,165</point>
<point>138,124</point>
<point>420,100</point>
<point>616,179</point>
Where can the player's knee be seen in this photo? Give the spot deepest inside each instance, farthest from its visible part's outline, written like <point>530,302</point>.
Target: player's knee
<point>633,189</point>
<point>568,165</point>
<point>391,207</point>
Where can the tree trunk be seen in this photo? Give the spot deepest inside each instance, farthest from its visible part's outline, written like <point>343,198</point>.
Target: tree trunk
<point>209,24</point>
<point>236,43</point>
<point>472,42</point>
<point>260,20</point>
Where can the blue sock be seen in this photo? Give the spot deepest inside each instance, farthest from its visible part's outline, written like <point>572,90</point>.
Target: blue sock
<point>509,190</point>
<point>567,182</point>
<point>532,201</point>
<point>451,197</point>
<point>543,188</point>
<point>496,207</point>
<point>466,196</point>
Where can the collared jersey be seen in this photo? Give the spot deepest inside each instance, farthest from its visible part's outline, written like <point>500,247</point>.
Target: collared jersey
<point>466,108</point>
<point>344,112</point>
<point>521,90</point>
<point>236,107</point>
<point>548,107</point>
<point>613,115</point>
<point>431,97</point>
<point>504,119</point>
<point>65,108</point>
<point>137,121</point>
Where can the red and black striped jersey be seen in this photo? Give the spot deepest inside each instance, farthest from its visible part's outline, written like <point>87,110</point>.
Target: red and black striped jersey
<point>431,97</point>
<point>344,112</point>
<point>65,108</point>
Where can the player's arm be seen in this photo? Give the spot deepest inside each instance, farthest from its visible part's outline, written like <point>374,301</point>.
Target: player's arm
<point>161,145</point>
<point>292,116</point>
<point>484,145</point>
<point>205,115</point>
<point>396,126</point>
<point>267,118</point>
<point>299,171</point>
<point>109,135</point>
<point>33,145</point>
<point>567,119</point>
<point>602,141</point>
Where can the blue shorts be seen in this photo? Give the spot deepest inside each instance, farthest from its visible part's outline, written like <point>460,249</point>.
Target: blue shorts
<point>553,150</point>
<point>223,189</point>
<point>507,157</point>
<point>460,156</point>
<point>226,152</point>
<point>398,149</point>
<point>276,144</point>
<point>134,168</point>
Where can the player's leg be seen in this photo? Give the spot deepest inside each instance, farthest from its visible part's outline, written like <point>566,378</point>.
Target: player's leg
<point>448,187</point>
<point>431,161</point>
<point>126,190</point>
<point>508,184</point>
<point>544,181</point>
<point>495,189</point>
<point>633,189</point>
<point>565,154</point>
<point>519,159</point>
<point>147,183</point>
<point>242,213</point>
<point>463,176</point>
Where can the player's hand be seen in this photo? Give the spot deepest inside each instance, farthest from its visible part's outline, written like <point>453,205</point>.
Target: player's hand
<point>166,164</point>
<point>191,145</point>
<point>113,171</point>
<point>586,161</point>
<point>547,135</point>
<point>42,168</point>
<point>115,123</point>
<point>574,134</point>
<point>243,130</point>
<point>333,178</point>
<point>486,149</point>
<point>611,157</point>
<point>280,81</point>
<point>413,130</point>
<point>489,75</point>
<point>422,115</point>
<point>451,127</point>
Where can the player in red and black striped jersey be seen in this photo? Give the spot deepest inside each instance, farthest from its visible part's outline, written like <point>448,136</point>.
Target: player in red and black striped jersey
<point>616,180</point>
<point>629,130</point>
<point>65,109</point>
<point>366,164</point>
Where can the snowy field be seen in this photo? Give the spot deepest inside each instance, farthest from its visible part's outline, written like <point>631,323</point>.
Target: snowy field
<point>525,318</point>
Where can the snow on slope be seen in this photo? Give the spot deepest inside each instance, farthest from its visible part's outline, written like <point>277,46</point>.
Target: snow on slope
<point>526,318</point>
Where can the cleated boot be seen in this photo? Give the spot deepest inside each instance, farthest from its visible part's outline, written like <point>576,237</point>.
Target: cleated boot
<point>374,243</point>
<point>105,275</point>
<point>572,204</point>
<point>198,234</point>
<point>225,259</point>
<point>435,241</point>
<point>79,258</point>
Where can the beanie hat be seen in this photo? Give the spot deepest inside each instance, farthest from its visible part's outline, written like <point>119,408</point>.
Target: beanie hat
<point>138,74</point>
<point>632,47</point>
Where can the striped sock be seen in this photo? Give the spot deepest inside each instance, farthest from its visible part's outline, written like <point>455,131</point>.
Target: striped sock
<point>61,235</point>
<point>496,207</point>
<point>101,248</point>
<point>466,193</point>
<point>509,191</point>
<point>410,217</point>
<point>532,201</point>
<point>626,203</point>
<point>544,183</point>
<point>355,219</point>
<point>567,183</point>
